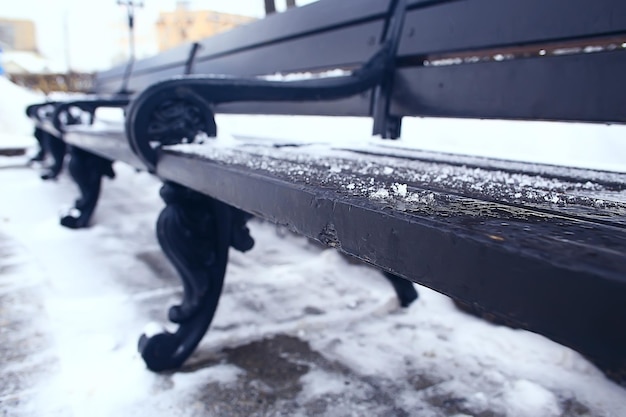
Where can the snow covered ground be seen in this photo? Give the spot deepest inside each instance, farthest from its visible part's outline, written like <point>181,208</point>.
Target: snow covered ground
<point>300,330</point>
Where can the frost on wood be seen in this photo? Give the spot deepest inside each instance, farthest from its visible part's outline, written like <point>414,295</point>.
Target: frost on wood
<point>427,183</point>
<point>296,76</point>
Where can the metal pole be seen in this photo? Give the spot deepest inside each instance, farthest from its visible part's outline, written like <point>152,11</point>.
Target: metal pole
<point>66,41</point>
<point>130,8</point>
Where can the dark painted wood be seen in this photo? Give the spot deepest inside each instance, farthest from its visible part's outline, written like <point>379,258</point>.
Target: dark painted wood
<point>582,87</point>
<point>174,56</point>
<point>340,48</point>
<point>479,24</point>
<point>166,64</point>
<point>325,15</point>
<point>353,106</point>
<point>304,39</point>
<point>108,142</point>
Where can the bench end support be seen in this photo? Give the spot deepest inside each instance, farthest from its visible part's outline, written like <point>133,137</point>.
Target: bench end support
<point>87,171</point>
<point>195,232</point>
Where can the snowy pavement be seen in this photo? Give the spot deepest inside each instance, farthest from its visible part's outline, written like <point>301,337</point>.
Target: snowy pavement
<point>300,330</point>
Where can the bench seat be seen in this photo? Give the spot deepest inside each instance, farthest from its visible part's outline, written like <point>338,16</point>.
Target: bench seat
<point>544,247</point>
<point>545,250</point>
<point>104,138</point>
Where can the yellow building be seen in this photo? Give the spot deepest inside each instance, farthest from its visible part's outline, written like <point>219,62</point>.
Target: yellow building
<point>17,35</point>
<point>185,25</point>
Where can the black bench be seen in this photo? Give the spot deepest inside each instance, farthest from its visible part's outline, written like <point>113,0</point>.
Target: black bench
<point>48,142</point>
<point>111,88</point>
<point>533,245</point>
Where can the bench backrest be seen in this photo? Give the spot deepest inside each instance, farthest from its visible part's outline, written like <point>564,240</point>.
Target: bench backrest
<point>174,62</point>
<point>513,59</point>
<point>510,59</point>
<point>311,38</point>
<point>319,37</point>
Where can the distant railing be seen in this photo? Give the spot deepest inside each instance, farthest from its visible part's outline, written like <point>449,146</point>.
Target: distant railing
<point>70,82</point>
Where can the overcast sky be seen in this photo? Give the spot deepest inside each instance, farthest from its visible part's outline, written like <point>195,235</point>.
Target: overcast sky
<point>96,28</point>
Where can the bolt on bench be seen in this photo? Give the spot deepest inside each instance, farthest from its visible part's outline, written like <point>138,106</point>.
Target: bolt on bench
<point>540,247</point>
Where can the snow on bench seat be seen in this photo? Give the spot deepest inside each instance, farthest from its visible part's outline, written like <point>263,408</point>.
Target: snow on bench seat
<point>543,246</point>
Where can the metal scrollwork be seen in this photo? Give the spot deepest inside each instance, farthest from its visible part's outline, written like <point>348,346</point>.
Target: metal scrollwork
<point>195,232</point>
<point>178,117</point>
<point>87,171</point>
<point>57,149</point>
<point>175,121</point>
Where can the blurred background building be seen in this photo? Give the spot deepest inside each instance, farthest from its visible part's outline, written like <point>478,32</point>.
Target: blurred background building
<point>24,65</point>
<point>18,42</point>
<point>54,48</point>
<point>17,34</point>
<point>186,25</point>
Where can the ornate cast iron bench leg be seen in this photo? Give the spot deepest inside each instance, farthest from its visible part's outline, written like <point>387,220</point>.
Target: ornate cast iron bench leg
<point>405,290</point>
<point>195,232</point>
<point>41,153</point>
<point>57,148</point>
<point>87,171</point>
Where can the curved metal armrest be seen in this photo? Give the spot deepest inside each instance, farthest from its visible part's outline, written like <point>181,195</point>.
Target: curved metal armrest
<point>32,111</point>
<point>88,106</point>
<point>145,131</point>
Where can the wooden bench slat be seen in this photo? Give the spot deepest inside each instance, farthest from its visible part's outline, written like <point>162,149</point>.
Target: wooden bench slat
<point>478,24</point>
<point>611,179</point>
<point>107,141</point>
<point>583,87</point>
<point>577,197</point>
<point>340,47</point>
<point>574,197</point>
<point>359,106</point>
<point>298,23</point>
<point>174,56</point>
